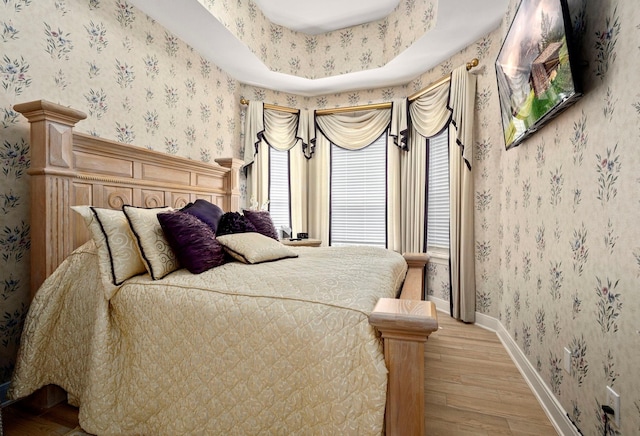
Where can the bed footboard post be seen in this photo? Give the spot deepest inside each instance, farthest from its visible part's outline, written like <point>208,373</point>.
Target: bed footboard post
<point>233,182</point>
<point>405,326</point>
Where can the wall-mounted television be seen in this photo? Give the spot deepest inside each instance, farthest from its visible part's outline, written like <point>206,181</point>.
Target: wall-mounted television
<point>536,68</point>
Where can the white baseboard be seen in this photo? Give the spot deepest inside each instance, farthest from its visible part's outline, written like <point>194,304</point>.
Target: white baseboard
<point>441,305</point>
<point>557,415</point>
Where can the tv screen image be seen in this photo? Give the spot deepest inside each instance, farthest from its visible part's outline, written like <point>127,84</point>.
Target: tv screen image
<point>535,68</point>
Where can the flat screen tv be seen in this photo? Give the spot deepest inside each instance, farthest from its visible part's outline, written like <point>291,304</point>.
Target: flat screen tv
<point>536,68</point>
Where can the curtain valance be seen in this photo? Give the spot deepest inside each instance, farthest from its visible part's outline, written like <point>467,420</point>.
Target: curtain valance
<point>462,104</point>
<point>354,130</point>
<point>280,129</point>
<point>399,123</point>
<point>253,130</point>
<point>429,113</point>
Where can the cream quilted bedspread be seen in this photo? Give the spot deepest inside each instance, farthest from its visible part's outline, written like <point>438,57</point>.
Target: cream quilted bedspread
<point>279,348</point>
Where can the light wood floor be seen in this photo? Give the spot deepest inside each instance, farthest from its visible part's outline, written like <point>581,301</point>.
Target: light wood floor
<point>472,388</point>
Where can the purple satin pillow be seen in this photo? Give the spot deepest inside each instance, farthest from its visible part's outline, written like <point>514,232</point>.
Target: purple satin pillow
<point>205,211</point>
<point>261,220</point>
<point>234,222</point>
<point>193,241</point>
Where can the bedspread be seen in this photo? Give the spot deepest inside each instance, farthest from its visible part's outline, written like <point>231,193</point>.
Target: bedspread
<point>277,348</point>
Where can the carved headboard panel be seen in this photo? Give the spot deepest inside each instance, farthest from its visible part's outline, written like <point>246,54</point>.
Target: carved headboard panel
<point>70,168</point>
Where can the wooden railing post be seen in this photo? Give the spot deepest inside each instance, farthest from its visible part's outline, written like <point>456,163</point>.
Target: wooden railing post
<point>404,326</point>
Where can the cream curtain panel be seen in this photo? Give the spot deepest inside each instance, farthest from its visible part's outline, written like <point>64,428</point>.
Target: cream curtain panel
<point>448,106</point>
<point>353,131</point>
<point>281,131</point>
<point>462,239</point>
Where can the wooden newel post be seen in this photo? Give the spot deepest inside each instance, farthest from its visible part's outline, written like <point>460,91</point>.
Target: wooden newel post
<point>232,182</point>
<point>51,156</point>
<point>405,326</point>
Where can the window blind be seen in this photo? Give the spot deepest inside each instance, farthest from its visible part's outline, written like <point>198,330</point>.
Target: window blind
<point>359,195</point>
<point>279,196</point>
<point>438,192</point>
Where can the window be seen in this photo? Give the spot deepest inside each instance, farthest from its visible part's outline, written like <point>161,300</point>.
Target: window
<point>359,195</point>
<point>279,196</point>
<point>438,192</point>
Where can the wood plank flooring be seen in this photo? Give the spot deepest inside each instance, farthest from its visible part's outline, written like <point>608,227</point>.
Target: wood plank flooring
<point>472,388</point>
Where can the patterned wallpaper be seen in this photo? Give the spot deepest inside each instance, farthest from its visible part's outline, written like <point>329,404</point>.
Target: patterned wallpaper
<point>137,83</point>
<point>557,251</point>
<point>356,48</point>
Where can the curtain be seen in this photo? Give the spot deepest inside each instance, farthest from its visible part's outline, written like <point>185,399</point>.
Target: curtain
<point>428,115</point>
<point>353,131</point>
<point>450,106</point>
<point>461,243</point>
<point>266,128</point>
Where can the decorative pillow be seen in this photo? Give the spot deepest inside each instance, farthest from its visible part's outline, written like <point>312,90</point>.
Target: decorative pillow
<point>207,212</point>
<point>252,247</point>
<point>193,241</point>
<point>261,220</point>
<point>118,256</point>
<point>233,222</point>
<point>154,248</point>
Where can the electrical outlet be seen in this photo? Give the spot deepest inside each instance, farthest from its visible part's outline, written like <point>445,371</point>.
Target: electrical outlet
<point>567,360</point>
<point>613,401</point>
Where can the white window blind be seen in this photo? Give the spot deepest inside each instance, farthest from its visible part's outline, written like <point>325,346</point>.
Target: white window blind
<point>359,195</point>
<point>438,192</point>
<point>279,198</point>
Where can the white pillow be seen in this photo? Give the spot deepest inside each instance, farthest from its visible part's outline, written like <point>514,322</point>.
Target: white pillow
<point>154,248</point>
<point>252,247</point>
<point>118,256</point>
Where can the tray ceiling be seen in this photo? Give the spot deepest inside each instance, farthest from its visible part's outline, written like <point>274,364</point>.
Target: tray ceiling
<point>456,25</point>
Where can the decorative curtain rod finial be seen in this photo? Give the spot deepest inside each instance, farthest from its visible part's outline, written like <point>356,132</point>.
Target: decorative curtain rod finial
<point>244,101</point>
<point>474,63</point>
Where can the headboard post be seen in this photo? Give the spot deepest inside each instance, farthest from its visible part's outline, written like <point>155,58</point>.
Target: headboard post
<point>232,182</point>
<point>51,147</point>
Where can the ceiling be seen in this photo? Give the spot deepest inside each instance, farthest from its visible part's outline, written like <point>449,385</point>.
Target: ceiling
<point>459,23</point>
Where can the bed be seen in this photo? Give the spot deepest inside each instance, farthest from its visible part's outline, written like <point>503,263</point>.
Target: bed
<point>312,344</point>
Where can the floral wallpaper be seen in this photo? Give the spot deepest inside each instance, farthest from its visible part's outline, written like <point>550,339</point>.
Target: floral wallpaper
<point>557,251</point>
<point>136,82</point>
<point>557,248</point>
<point>356,48</point>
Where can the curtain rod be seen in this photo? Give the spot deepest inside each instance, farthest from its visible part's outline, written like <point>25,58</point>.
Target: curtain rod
<point>274,107</point>
<point>365,107</point>
<point>441,81</point>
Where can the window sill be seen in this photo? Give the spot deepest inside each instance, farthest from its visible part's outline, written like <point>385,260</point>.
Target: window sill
<point>438,255</point>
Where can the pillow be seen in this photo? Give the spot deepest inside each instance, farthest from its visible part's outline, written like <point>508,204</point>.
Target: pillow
<point>207,212</point>
<point>155,251</point>
<point>233,222</point>
<point>193,241</point>
<point>252,247</point>
<point>118,256</point>
<point>261,220</point>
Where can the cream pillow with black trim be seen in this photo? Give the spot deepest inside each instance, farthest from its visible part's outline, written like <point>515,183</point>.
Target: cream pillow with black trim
<point>251,247</point>
<point>118,256</point>
<point>155,251</point>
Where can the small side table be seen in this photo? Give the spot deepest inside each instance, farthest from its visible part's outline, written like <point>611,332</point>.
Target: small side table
<point>302,242</point>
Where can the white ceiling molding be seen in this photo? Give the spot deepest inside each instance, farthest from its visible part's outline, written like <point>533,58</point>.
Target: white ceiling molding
<point>459,23</point>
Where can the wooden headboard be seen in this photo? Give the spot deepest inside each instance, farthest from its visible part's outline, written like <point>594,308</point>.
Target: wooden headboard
<point>70,168</point>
